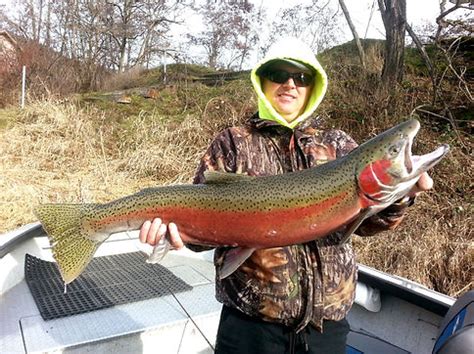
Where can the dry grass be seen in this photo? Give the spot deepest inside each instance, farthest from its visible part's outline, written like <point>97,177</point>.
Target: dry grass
<point>435,243</point>
<point>57,152</point>
<point>433,246</point>
<point>168,150</point>
<point>53,153</point>
<point>123,80</point>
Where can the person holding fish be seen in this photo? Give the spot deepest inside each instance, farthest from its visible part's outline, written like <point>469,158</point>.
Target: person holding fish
<point>291,299</point>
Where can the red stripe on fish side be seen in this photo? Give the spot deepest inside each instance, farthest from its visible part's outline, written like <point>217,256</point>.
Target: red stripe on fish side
<point>228,227</point>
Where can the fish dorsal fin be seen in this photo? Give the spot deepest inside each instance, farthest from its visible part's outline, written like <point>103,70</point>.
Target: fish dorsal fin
<point>216,177</point>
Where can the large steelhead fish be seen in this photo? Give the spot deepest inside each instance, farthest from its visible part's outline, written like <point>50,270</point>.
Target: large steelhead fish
<point>250,212</point>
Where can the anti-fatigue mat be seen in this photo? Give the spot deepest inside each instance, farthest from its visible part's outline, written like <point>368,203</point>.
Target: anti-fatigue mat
<point>107,281</point>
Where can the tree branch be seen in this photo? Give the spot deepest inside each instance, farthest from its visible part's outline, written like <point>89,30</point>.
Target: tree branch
<point>360,49</point>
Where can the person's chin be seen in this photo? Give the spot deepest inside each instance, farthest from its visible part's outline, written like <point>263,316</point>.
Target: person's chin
<point>289,117</point>
<point>285,109</point>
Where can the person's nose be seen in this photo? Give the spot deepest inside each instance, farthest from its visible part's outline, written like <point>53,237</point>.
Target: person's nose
<point>290,83</point>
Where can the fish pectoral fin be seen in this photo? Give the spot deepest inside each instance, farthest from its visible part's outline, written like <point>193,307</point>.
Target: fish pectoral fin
<point>234,258</point>
<point>159,251</point>
<point>216,177</point>
<point>364,214</point>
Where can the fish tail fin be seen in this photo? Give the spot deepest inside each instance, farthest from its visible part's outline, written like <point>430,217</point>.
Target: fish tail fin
<point>71,246</point>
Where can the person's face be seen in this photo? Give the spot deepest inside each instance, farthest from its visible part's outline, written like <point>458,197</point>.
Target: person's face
<point>287,98</point>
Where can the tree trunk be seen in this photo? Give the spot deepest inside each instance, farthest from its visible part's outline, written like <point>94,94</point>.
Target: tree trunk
<point>213,55</point>
<point>123,54</point>
<point>32,17</point>
<point>145,47</point>
<point>40,20</point>
<point>423,53</point>
<point>47,40</point>
<point>354,33</point>
<point>393,16</point>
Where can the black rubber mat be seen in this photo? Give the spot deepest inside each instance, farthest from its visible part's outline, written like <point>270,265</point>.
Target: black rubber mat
<point>107,281</point>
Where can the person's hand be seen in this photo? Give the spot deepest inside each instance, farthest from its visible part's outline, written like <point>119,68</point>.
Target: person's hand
<point>425,183</point>
<point>153,230</point>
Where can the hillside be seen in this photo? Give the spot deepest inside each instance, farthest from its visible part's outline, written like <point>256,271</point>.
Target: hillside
<point>89,147</point>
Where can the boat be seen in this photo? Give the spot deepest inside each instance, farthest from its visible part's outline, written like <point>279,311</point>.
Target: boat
<point>124,305</point>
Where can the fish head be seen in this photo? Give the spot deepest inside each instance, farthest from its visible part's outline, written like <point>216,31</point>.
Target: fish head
<point>386,170</point>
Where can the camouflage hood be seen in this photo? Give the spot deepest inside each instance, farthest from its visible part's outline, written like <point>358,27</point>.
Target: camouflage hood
<point>293,49</point>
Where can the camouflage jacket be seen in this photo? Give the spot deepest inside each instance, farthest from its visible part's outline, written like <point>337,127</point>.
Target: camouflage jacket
<point>303,283</point>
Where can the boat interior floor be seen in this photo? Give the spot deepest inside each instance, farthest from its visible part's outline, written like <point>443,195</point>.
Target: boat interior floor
<point>183,320</point>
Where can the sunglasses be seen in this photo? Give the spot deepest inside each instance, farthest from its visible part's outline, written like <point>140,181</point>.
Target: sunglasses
<point>282,76</point>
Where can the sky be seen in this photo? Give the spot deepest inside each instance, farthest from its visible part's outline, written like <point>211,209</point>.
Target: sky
<point>419,12</point>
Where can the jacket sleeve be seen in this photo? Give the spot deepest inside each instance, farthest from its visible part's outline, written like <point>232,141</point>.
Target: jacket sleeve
<point>219,156</point>
<point>387,219</point>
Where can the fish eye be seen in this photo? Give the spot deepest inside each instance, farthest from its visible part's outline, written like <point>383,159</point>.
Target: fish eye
<point>394,150</point>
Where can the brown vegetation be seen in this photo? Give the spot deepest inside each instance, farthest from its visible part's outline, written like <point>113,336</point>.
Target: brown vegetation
<point>49,74</point>
<point>97,151</point>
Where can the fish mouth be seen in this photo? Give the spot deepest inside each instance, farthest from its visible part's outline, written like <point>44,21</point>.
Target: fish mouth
<point>417,164</point>
<point>422,163</point>
<point>411,132</point>
<point>408,156</point>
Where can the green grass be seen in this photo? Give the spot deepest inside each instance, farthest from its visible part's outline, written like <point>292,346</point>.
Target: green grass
<point>153,77</point>
<point>173,102</point>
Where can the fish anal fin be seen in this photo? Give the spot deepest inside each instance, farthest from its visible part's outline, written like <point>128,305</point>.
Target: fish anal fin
<point>234,258</point>
<point>216,177</point>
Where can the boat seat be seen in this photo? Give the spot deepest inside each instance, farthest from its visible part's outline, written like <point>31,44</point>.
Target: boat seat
<point>366,343</point>
<point>456,334</point>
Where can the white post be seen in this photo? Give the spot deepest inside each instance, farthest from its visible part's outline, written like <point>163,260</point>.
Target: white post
<point>164,67</point>
<point>23,86</point>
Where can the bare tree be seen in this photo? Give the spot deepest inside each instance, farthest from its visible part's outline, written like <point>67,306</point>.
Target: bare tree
<point>393,16</point>
<point>448,38</point>
<point>360,49</point>
<point>453,30</point>
<point>131,26</point>
<point>230,32</point>
<point>317,23</point>
<point>24,20</point>
<point>112,33</point>
<point>96,35</point>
